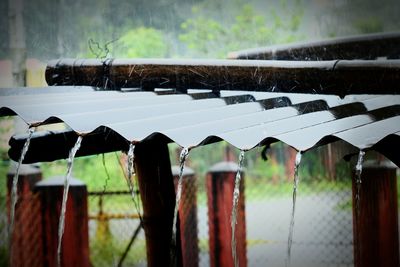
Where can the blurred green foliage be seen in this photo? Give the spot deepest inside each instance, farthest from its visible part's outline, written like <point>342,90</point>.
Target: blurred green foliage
<point>208,37</point>
<point>142,42</point>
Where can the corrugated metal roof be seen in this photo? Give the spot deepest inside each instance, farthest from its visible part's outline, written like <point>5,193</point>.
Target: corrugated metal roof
<point>109,120</point>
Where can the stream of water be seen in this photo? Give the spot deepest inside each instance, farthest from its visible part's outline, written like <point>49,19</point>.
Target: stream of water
<point>182,159</point>
<point>359,164</point>
<point>236,194</point>
<point>358,181</point>
<point>14,189</point>
<point>291,226</point>
<point>61,222</point>
<point>131,170</point>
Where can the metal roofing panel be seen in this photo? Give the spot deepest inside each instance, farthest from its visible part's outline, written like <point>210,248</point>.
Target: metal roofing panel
<point>367,135</point>
<point>245,119</point>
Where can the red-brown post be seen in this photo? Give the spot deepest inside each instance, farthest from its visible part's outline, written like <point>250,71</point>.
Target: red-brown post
<point>75,243</point>
<point>157,192</point>
<point>290,158</point>
<point>27,231</point>
<point>188,216</point>
<point>220,186</point>
<point>376,236</point>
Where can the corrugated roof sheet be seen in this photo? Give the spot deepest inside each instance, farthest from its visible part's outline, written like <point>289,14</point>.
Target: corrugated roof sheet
<point>112,119</point>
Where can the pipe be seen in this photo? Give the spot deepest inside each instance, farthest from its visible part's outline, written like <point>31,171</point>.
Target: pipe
<point>322,77</point>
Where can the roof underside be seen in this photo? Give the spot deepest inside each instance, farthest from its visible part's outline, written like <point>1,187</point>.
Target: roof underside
<point>110,120</point>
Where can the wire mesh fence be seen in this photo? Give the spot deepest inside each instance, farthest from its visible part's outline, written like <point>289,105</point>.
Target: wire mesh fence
<point>323,230</point>
<point>26,243</point>
<point>113,227</point>
<point>323,219</point>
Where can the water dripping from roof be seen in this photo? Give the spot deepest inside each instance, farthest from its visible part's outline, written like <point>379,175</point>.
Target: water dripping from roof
<point>129,179</point>
<point>14,189</point>
<point>182,159</point>
<point>61,222</point>
<point>358,181</point>
<point>236,193</point>
<point>131,169</point>
<point>359,164</point>
<point>291,225</point>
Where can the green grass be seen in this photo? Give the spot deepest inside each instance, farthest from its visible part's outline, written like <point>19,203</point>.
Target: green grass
<point>110,252</point>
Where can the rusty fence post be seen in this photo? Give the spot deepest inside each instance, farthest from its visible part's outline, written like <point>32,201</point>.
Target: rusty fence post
<point>188,216</point>
<point>376,235</point>
<point>75,243</point>
<point>157,193</point>
<point>220,185</point>
<point>26,234</point>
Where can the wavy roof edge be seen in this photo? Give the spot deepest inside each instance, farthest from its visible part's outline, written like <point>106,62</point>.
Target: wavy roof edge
<point>276,125</point>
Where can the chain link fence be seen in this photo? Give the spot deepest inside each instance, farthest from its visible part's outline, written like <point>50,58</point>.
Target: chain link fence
<point>26,237</point>
<point>323,230</point>
<point>115,234</point>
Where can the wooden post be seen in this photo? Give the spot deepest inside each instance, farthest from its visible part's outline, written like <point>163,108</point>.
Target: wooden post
<point>75,243</point>
<point>188,217</point>
<point>220,185</point>
<point>157,192</point>
<point>290,158</point>
<point>26,232</point>
<point>376,236</point>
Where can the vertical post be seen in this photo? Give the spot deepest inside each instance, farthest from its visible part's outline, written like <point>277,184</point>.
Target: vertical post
<point>26,232</point>
<point>188,216</point>
<point>157,192</point>
<point>75,243</point>
<point>376,237</point>
<point>220,186</point>
<point>290,156</point>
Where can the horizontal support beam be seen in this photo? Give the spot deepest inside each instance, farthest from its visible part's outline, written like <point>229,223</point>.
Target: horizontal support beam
<point>59,143</point>
<point>370,46</point>
<point>322,77</point>
<point>95,143</point>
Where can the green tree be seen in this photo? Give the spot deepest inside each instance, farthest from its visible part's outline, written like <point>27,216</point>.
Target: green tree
<point>141,42</point>
<point>209,37</point>
<point>359,16</point>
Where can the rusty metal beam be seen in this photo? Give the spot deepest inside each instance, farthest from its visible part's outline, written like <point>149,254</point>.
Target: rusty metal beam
<point>322,77</point>
<point>370,46</point>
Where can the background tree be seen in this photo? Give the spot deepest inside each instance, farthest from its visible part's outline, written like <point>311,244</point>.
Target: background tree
<point>208,37</point>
